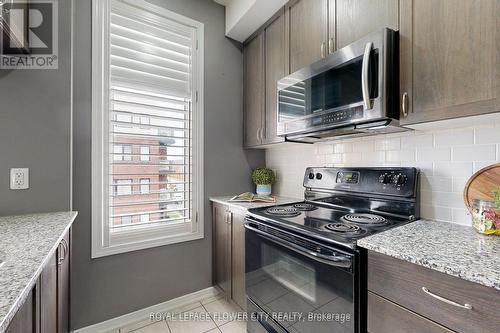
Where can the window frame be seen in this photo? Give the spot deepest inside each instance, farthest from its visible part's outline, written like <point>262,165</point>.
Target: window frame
<point>104,242</point>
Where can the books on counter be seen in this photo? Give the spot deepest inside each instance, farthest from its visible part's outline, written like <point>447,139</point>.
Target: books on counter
<point>252,197</point>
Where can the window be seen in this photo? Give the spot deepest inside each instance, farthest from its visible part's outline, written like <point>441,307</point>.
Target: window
<point>147,111</point>
<point>122,186</point>
<point>122,152</point>
<point>144,185</point>
<point>144,153</point>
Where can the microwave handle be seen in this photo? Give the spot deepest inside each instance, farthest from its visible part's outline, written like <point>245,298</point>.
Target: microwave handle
<point>364,76</point>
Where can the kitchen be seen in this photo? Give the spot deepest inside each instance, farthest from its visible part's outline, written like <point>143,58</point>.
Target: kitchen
<point>377,123</point>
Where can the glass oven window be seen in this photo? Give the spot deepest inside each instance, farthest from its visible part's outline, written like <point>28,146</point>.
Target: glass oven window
<point>299,293</point>
<point>334,88</point>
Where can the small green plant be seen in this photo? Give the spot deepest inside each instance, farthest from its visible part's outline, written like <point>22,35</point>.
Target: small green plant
<point>263,176</point>
<point>496,196</point>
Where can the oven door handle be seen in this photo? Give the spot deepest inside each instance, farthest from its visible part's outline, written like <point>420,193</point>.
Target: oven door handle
<point>364,76</point>
<point>336,261</point>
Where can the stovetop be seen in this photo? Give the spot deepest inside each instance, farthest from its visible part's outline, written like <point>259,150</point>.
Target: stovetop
<point>339,225</point>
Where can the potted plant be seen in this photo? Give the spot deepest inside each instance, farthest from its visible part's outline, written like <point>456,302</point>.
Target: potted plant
<point>264,178</point>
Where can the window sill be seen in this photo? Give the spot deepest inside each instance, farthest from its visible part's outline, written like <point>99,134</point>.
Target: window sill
<point>101,251</point>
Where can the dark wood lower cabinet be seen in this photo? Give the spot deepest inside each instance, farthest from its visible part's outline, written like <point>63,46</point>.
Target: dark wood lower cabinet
<point>229,252</point>
<point>48,297</point>
<point>63,271</point>
<point>387,317</point>
<point>25,318</point>
<point>46,308</point>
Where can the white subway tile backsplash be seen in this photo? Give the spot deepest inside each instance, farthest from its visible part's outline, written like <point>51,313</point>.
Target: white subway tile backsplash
<point>417,140</point>
<point>461,216</point>
<point>352,157</point>
<point>400,155</point>
<point>475,153</point>
<point>432,183</point>
<point>454,169</point>
<point>333,158</point>
<point>487,135</point>
<point>324,149</point>
<point>343,147</point>
<point>459,184</point>
<point>433,154</point>
<point>437,212</point>
<point>454,138</point>
<point>363,146</point>
<point>388,143</point>
<point>446,159</point>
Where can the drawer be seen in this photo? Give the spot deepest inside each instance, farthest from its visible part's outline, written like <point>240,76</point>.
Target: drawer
<point>401,282</point>
<point>388,317</point>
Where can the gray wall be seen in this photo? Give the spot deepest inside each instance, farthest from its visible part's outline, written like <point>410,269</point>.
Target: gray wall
<point>35,130</point>
<point>111,286</point>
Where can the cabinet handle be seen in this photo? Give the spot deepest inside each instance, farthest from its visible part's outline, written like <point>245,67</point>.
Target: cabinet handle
<point>64,251</point>
<point>323,50</point>
<point>229,217</point>
<point>404,104</point>
<point>447,301</point>
<point>330,45</point>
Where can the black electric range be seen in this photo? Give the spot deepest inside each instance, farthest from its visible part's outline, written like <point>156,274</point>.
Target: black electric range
<point>302,259</point>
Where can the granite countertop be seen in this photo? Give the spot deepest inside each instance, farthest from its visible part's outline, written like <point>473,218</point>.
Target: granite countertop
<point>26,244</point>
<point>445,247</point>
<point>247,205</point>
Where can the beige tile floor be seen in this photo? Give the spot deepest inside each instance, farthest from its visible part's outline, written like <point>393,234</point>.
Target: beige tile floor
<point>214,315</point>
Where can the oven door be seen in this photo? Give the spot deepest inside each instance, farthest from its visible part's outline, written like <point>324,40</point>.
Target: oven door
<point>301,285</point>
<point>354,85</point>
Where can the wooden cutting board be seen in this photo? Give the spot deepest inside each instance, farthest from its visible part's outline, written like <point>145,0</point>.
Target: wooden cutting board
<point>482,184</point>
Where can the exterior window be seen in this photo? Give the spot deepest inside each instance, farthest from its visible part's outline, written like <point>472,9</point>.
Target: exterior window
<point>144,153</point>
<point>144,185</point>
<point>122,152</point>
<point>122,186</point>
<point>126,219</point>
<point>147,123</point>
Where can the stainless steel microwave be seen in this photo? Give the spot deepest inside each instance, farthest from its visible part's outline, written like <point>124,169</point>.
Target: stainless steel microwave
<point>354,91</point>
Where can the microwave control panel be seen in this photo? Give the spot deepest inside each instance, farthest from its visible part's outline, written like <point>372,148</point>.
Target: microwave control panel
<point>338,116</point>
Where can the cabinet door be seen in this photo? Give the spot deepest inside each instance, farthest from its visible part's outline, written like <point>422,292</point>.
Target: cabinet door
<point>357,18</point>
<point>64,257</point>
<point>308,29</point>
<point>449,61</point>
<point>24,319</point>
<point>48,296</point>
<point>275,55</point>
<point>221,247</point>
<point>238,260</point>
<point>253,88</point>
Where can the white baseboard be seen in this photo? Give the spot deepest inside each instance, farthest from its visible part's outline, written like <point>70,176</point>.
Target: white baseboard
<point>143,314</point>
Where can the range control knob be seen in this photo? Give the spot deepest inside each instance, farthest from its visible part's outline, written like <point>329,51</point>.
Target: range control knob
<point>399,179</point>
<point>385,178</point>
<point>319,176</point>
<point>311,175</point>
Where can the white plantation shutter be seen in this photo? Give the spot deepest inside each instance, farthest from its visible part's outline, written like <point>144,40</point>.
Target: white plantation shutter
<point>151,126</point>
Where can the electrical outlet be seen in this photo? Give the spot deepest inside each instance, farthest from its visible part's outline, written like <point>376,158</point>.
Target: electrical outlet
<point>19,178</point>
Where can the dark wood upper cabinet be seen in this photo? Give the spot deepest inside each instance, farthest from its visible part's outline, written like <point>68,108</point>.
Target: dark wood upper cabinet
<point>449,58</point>
<point>275,69</point>
<point>253,87</point>
<point>358,18</point>
<point>308,32</point>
